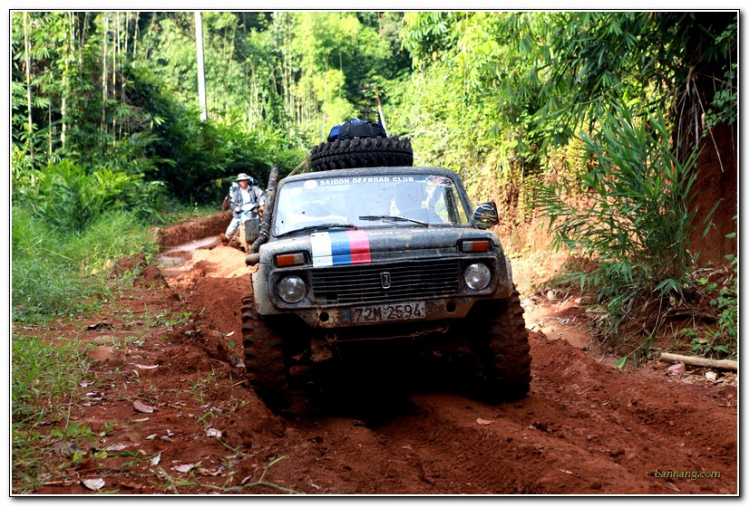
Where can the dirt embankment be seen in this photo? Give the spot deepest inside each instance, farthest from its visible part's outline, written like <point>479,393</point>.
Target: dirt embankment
<point>185,232</point>
<point>383,426</point>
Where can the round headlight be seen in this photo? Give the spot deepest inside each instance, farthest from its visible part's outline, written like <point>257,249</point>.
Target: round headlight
<point>477,276</point>
<point>291,289</point>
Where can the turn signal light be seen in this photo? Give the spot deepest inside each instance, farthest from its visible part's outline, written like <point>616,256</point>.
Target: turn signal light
<point>475,246</point>
<point>294,259</point>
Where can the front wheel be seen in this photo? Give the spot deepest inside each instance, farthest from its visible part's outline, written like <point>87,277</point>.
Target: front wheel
<point>264,357</point>
<point>501,343</point>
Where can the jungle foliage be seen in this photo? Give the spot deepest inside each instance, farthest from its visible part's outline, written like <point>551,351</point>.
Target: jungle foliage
<point>532,108</point>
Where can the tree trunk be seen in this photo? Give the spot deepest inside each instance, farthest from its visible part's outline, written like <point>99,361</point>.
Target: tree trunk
<point>201,75</point>
<point>717,162</point>
<point>115,51</point>
<point>49,128</point>
<point>104,74</point>
<point>27,46</point>
<point>137,33</point>
<point>69,58</point>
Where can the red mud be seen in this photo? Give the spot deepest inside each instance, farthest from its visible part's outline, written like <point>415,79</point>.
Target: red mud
<point>178,234</point>
<point>387,428</point>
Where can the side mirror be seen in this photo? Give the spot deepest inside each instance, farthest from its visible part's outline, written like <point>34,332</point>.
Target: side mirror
<point>485,216</point>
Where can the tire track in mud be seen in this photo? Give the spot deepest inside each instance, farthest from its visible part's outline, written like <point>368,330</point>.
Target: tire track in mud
<point>585,428</point>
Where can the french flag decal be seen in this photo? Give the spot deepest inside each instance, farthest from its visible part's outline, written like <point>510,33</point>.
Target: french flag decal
<point>340,248</point>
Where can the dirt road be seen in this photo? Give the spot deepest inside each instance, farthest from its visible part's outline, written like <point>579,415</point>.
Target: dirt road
<point>585,428</point>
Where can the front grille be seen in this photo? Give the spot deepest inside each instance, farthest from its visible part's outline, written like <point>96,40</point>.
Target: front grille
<point>363,284</point>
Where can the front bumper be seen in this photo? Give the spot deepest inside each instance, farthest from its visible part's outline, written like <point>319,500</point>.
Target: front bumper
<point>435,309</point>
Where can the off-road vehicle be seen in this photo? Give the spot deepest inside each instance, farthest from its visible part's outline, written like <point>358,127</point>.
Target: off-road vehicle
<point>377,254</point>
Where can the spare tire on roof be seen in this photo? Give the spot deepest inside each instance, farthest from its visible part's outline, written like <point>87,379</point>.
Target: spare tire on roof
<point>359,143</point>
<point>362,152</point>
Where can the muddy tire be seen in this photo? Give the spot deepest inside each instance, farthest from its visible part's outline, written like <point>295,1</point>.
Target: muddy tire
<point>264,357</point>
<point>504,353</point>
<point>362,152</point>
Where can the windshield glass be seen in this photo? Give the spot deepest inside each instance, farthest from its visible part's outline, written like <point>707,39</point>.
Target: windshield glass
<point>369,202</point>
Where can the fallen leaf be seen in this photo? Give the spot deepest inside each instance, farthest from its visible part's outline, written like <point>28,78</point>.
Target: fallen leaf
<point>66,448</point>
<point>142,407</point>
<point>672,486</point>
<point>100,325</point>
<point>146,367</point>
<point>155,460</point>
<point>230,334</point>
<point>151,437</point>
<point>483,421</point>
<point>116,447</point>
<point>85,383</point>
<point>183,469</point>
<point>130,485</point>
<point>676,369</point>
<point>711,376</point>
<point>93,484</point>
<point>144,419</point>
<point>209,473</point>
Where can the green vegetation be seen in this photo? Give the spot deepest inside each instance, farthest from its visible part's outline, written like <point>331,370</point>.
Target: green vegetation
<point>598,123</point>
<point>723,340</point>
<point>57,273</point>
<point>635,216</point>
<point>533,109</point>
<point>45,378</point>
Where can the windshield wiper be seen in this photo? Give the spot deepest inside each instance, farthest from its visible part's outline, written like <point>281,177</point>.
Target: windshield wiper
<point>395,218</point>
<point>319,226</point>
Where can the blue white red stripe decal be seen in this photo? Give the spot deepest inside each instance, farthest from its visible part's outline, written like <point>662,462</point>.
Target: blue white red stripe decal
<point>340,248</point>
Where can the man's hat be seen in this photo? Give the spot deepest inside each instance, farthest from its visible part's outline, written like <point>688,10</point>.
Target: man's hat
<point>243,176</point>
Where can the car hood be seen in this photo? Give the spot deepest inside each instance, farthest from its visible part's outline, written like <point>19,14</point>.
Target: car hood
<point>361,246</point>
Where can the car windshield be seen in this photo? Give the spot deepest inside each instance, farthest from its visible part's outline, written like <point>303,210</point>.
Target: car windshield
<point>403,200</point>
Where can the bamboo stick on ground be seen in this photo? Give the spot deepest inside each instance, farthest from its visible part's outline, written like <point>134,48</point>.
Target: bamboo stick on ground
<point>724,364</point>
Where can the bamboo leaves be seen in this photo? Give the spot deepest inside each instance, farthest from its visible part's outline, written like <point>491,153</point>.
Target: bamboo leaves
<point>634,215</point>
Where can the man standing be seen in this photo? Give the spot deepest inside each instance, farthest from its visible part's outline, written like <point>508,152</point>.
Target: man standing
<point>247,202</point>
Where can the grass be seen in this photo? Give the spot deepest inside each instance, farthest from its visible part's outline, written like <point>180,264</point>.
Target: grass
<point>44,384</point>
<point>180,212</point>
<point>58,272</point>
<point>173,484</point>
<point>63,274</point>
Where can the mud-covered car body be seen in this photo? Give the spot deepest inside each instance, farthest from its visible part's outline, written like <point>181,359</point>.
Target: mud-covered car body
<point>378,271</point>
<point>359,260</point>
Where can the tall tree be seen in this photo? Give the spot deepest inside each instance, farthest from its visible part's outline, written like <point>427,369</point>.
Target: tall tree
<point>27,55</point>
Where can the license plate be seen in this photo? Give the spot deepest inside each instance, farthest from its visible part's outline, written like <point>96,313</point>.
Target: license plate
<point>388,313</point>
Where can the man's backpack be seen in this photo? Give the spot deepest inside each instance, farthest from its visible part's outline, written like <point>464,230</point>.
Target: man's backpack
<point>356,128</point>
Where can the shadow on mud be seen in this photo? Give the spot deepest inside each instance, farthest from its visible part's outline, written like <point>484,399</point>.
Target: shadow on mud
<point>374,387</point>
